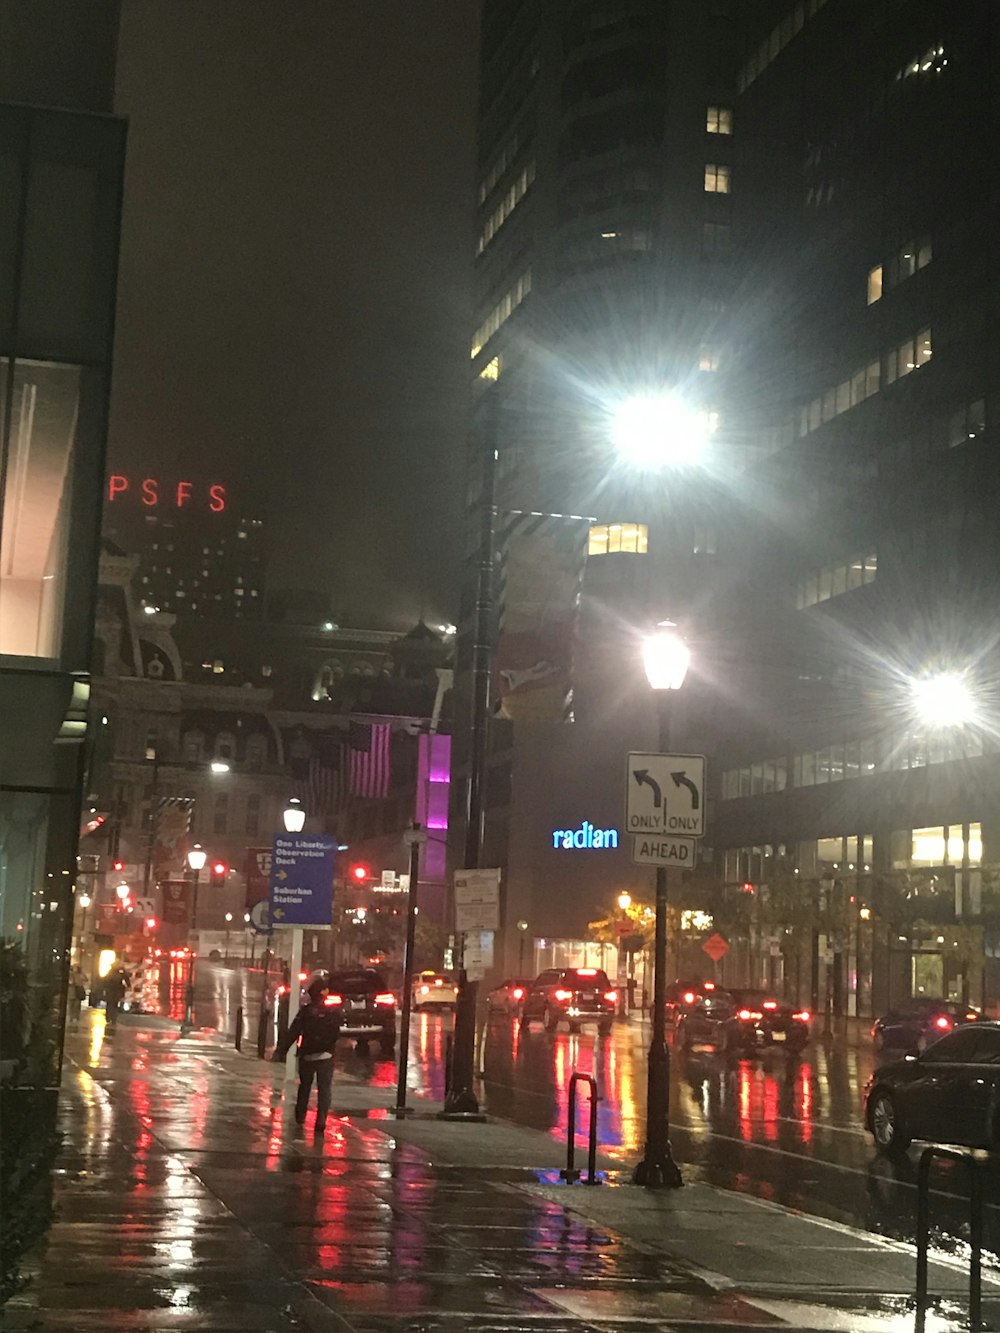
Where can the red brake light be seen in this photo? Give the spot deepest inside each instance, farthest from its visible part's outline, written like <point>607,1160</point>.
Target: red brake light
<point>385,997</point>
<point>331,1000</point>
<point>689,997</point>
<point>303,976</point>
<point>282,989</point>
<point>438,981</point>
<point>942,1023</point>
<point>611,995</point>
<point>770,1004</point>
<point>971,1017</point>
<point>518,992</point>
<point>803,1016</point>
<point>586,971</point>
<point>564,995</point>
<point>709,985</point>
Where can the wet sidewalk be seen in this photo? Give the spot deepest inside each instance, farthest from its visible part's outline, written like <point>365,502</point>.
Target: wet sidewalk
<point>185,1200</point>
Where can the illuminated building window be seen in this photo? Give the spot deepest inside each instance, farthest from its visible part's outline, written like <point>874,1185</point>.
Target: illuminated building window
<point>833,580</point>
<point>945,845</point>
<point>908,356</point>
<point>500,165</point>
<point>708,357</point>
<point>501,312</point>
<point>506,206</point>
<point>776,41</point>
<point>719,120</point>
<point>618,538</point>
<point>874,284</point>
<point>492,369</point>
<point>716,178</point>
<point>929,63</point>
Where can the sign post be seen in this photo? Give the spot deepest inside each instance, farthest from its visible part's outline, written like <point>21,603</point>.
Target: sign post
<point>415,837</point>
<point>302,870</point>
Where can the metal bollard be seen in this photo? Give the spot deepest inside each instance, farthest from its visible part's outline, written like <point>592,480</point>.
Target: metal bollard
<point>448,1047</point>
<point>262,1034</point>
<point>570,1172</point>
<point>927,1158</point>
<point>239,1028</point>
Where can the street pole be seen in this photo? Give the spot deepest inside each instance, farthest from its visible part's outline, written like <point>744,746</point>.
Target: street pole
<point>294,993</point>
<point>658,1169</point>
<point>188,1022</point>
<point>461,1100</point>
<point>415,836</point>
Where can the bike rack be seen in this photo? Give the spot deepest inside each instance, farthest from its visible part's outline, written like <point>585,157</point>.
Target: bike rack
<point>927,1158</point>
<point>570,1173</point>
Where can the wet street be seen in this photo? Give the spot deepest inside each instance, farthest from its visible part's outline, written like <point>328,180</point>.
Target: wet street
<point>781,1128</point>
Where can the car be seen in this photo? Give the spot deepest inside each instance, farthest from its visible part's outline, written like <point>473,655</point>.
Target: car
<point>917,1023</point>
<point>433,990</point>
<point>760,1020</point>
<point>368,1007</point>
<point>683,995</point>
<point>508,997</point>
<point>575,995</point>
<point>703,1020</point>
<point>949,1093</point>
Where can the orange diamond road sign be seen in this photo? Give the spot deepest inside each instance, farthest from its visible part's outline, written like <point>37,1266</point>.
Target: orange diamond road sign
<point>716,947</point>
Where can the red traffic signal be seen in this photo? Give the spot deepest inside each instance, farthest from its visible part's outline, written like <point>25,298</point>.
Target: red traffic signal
<point>220,870</point>
<point>359,873</point>
<point>118,865</point>
<point>151,923</point>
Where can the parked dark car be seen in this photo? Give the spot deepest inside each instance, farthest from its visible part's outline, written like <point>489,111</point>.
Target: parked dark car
<point>369,1007</point>
<point>576,994</point>
<point>760,1020</point>
<point>684,995</point>
<point>914,1024</point>
<point>508,997</point>
<point>949,1093</point>
<point>704,1019</point>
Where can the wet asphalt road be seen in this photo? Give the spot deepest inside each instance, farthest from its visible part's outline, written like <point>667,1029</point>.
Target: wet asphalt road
<point>783,1128</point>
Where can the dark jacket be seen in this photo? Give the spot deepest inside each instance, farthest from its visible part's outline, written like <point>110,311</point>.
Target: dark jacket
<point>315,1027</point>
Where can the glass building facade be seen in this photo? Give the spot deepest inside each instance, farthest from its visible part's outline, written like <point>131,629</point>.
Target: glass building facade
<point>60,206</point>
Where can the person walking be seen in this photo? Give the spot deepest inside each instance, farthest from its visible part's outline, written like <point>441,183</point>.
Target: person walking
<point>316,1028</point>
<point>114,993</point>
<point>76,993</point>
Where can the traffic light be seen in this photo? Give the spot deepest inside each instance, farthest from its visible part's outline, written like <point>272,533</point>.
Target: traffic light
<point>217,877</point>
<point>359,873</point>
<point>118,865</point>
<point>151,923</point>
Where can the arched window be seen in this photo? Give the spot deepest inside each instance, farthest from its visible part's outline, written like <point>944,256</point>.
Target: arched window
<point>225,745</point>
<point>256,751</point>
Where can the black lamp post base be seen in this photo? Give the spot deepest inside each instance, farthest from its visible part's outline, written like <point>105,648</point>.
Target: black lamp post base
<point>658,1172</point>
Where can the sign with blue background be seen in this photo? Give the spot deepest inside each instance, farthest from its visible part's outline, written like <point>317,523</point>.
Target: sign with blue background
<point>302,880</point>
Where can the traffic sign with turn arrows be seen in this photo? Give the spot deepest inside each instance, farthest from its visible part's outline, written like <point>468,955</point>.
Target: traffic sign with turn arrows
<point>665,793</point>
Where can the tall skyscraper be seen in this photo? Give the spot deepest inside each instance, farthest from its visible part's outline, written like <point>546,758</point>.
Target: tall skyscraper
<point>777,212</point>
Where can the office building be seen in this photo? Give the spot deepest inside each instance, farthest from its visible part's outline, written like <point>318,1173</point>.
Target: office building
<point>778,210</point>
<point>62,160</point>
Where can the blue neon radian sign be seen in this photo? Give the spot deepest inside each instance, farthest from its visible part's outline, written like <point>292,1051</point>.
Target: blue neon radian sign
<point>586,838</point>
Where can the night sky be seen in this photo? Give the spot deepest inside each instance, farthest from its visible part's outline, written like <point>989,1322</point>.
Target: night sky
<point>294,285</point>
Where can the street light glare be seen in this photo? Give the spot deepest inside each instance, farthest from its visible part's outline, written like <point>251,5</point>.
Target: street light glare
<point>666,658</point>
<point>656,430</point>
<point>197,857</point>
<point>943,699</point>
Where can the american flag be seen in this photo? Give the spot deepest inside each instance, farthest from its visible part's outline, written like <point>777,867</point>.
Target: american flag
<point>370,766</point>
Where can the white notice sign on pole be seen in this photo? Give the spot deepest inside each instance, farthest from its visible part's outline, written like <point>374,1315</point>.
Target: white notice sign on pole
<point>477,900</point>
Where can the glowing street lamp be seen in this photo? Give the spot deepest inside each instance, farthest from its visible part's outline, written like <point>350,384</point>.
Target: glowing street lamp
<point>624,901</point>
<point>658,430</point>
<point>665,657</point>
<point>294,816</point>
<point>196,858</point>
<point>943,699</point>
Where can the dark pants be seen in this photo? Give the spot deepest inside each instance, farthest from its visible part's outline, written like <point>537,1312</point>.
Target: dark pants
<point>322,1071</point>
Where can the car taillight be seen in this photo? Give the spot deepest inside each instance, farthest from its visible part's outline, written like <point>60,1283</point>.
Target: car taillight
<point>803,1016</point>
<point>424,990</point>
<point>770,1004</point>
<point>942,1023</point>
<point>438,981</point>
<point>303,976</point>
<point>564,995</point>
<point>971,1017</point>
<point>282,989</point>
<point>586,971</point>
<point>611,995</point>
<point>518,992</point>
<point>749,1015</point>
<point>385,997</point>
<point>332,1000</point>
<point>689,997</point>
<point>710,985</point>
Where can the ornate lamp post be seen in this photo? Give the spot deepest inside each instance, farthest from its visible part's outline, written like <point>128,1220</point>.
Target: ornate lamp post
<point>196,859</point>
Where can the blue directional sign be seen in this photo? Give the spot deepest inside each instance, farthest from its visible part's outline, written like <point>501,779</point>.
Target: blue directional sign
<point>302,880</point>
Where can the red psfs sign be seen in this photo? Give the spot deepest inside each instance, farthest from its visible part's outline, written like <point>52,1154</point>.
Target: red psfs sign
<point>154,493</point>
